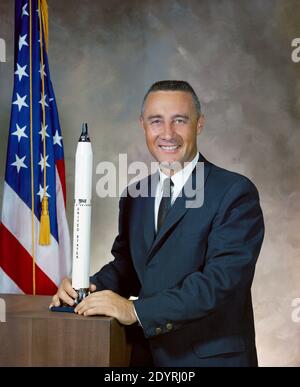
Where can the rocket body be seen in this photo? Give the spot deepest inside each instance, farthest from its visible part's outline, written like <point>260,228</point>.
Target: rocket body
<point>82,215</point>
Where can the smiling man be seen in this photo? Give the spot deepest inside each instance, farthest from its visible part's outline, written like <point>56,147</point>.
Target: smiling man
<point>191,268</point>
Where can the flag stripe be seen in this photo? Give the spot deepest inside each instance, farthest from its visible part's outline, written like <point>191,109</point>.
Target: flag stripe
<point>8,284</point>
<point>64,253</point>
<point>15,260</point>
<point>60,165</point>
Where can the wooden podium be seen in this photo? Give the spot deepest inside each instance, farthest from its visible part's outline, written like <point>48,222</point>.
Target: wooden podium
<point>34,336</point>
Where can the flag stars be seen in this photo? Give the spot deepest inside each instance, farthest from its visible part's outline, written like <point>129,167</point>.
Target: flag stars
<point>42,70</point>
<point>20,102</point>
<point>20,132</point>
<point>43,132</point>
<point>19,163</point>
<point>22,41</point>
<point>24,11</point>
<point>43,101</point>
<point>43,162</point>
<point>21,71</point>
<point>57,139</point>
<point>42,192</point>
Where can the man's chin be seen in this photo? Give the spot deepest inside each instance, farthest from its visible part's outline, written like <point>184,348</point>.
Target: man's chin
<point>169,159</point>
<point>174,163</point>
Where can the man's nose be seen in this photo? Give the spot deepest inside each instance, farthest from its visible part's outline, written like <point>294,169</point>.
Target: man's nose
<point>167,132</point>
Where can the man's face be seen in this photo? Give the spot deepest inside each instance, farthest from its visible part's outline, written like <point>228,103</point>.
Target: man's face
<point>171,126</point>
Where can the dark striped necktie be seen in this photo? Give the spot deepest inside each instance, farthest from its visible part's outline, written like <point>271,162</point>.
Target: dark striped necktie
<point>165,203</point>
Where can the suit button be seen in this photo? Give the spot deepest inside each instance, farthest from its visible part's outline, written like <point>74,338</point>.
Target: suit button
<point>158,330</point>
<point>169,326</point>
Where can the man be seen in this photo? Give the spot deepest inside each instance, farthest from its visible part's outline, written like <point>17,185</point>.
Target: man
<point>191,268</point>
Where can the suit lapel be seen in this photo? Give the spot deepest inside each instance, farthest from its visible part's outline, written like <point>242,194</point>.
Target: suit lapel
<point>176,212</point>
<point>148,211</point>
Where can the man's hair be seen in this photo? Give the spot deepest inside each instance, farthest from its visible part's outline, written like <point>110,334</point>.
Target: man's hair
<point>172,85</point>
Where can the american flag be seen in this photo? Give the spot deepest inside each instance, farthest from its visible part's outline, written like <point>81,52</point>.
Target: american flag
<point>32,170</point>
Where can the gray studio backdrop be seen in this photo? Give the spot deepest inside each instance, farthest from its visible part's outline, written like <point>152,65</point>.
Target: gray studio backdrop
<point>237,54</point>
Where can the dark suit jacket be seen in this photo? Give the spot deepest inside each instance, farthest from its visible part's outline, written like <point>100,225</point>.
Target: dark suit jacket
<point>194,277</point>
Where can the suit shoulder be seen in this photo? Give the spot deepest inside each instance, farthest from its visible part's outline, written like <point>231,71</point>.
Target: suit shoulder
<point>225,179</point>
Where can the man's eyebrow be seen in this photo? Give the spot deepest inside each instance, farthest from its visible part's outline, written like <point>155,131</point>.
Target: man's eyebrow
<point>154,116</point>
<point>181,116</point>
<point>173,117</point>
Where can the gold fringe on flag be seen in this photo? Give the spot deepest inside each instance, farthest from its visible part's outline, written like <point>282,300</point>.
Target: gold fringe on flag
<point>44,239</point>
<point>44,12</point>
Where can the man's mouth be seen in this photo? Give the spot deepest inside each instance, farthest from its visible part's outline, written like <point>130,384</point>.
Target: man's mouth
<point>169,148</point>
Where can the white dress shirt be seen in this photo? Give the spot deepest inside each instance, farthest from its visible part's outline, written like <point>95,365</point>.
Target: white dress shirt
<point>179,179</point>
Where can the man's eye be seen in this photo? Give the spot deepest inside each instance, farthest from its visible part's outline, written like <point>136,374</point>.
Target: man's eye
<point>179,121</point>
<point>155,122</point>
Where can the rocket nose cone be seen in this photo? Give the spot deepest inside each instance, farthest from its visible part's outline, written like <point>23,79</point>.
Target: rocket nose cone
<point>84,137</point>
<point>84,128</point>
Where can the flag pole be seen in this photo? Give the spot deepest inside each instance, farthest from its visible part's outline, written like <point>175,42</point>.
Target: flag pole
<point>31,154</point>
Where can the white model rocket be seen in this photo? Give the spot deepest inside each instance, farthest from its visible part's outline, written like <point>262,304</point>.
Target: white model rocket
<point>82,215</point>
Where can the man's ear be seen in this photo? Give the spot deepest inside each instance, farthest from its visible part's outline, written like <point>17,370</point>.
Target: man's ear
<point>200,124</point>
<point>141,121</point>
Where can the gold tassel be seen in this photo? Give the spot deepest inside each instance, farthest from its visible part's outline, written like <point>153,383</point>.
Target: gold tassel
<point>45,223</point>
<point>44,14</point>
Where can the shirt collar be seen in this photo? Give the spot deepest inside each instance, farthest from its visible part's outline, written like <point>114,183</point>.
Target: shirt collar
<point>179,178</point>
